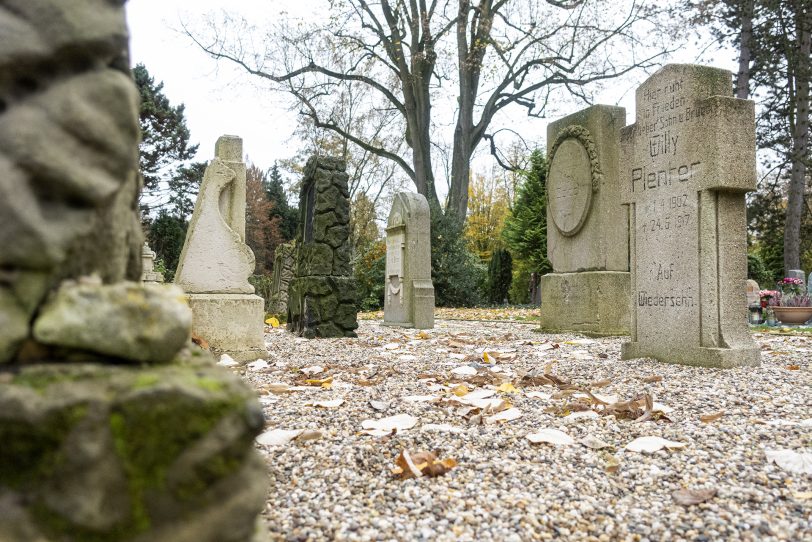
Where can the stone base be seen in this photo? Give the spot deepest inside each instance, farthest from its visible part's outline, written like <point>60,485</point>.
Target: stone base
<point>420,304</point>
<point>589,302</point>
<point>723,358</point>
<point>156,454</point>
<point>232,324</point>
<point>322,306</point>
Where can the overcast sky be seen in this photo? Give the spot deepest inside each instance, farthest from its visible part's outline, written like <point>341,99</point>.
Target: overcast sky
<point>220,99</point>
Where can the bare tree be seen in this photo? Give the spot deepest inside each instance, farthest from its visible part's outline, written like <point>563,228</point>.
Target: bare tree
<point>488,55</point>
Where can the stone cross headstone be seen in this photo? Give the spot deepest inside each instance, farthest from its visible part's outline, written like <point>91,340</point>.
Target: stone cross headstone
<point>148,273</point>
<point>587,228</point>
<point>284,262</point>
<point>215,263</point>
<point>321,295</point>
<point>752,292</point>
<point>409,293</point>
<point>686,165</point>
<point>111,426</point>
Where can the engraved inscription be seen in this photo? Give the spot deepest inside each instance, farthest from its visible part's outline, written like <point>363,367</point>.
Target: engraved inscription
<point>395,245</point>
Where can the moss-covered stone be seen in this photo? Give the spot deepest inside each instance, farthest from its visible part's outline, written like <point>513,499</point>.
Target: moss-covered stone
<point>157,444</point>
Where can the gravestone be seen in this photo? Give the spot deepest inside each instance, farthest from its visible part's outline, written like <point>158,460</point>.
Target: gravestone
<point>409,293</point>
<point>284,261</point>
<point>752,292</point>
<point>809,284</point>
<point>686,165</point>
<point>587,228</point>
<point>321,295</point>
<point>111,426</point>
<point>148,273</point>
<point>215,263</point>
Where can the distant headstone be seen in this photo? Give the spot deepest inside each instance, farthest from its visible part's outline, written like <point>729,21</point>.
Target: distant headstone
<point>587,228</point>
<point>321,295</point>
<point>215,263</point>
<point>409,293</point>
<point>752,292</point>
<point>148,273</point>
<point>686,164</point>
<point>284,261</point>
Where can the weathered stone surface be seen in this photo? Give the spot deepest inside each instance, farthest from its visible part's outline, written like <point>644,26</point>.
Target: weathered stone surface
<point>321,296</point>
<point>126,320</point>
<point>70,133</point>
<point>686,165</point>
<point>115,453</point>
<point>796,274</point>
<point>587,228</point>
<point>215,258</point>
<point>231,323</point>
<point>283,268</point>
<point>409,293</point>
<point>593,303</point>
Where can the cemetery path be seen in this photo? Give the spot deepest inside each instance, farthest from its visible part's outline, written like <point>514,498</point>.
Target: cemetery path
<point>739,440</point>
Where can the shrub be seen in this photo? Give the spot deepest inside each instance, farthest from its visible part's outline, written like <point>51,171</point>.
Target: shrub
<point>457,273</point>
<point>369,271</point>
<point>262,285</point>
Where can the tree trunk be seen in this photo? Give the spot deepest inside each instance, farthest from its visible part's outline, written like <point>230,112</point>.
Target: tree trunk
<point>745,42</point>
<point>800,141</point>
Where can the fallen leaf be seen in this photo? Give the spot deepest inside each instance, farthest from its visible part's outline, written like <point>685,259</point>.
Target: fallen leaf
<point>278,388</point>
<point>581,414</point>
<point>423,335</point>
<point>323,382</point>
<point>391,346</point>
<point>200,341</point>
<point>507,387</point>
<point>687,497</point>
<point>551,436</point>
<point>278,437</point>
<point>312,370</point>
<point>258,365</point>
<point>794,367</point>
<point>653,378</point>
<point>652,444</point>
<point>486,358</point>
<point>791,461</point>
<point>379,405</point>
<point>465,370</point>
<point>335,403</point>
<point>460,390</point>
<point>611,463</point>
<point>309,435</point>
<point>421,464</point>
<point>442,428</point>
<point>600,383</point>
<point>707,418</point>
<point>594,443</point>
<point>537,395</point>
<point>273,322</point>
<point>505,416</point>
<point>386,426</point>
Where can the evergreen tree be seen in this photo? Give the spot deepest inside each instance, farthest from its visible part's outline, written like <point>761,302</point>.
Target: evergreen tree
<point>166,235</point>
<point>525,229</point>
<point>288,216</point>
<point>165,151</point>
<point>500,275</point>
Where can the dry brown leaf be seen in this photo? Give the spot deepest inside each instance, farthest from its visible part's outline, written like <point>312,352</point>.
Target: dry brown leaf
<point>794,367</point>
<point>687,497</point>
<point>652,379</point>
<point>460,390</point>
<point>600,383</point>
<point>200,341</point>
<point>421,464</point>
<point>707,418</point>
<point>611,463</point>
<point>456,344</point>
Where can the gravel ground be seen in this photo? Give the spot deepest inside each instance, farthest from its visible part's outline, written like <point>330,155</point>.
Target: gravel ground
<point>340,485</point>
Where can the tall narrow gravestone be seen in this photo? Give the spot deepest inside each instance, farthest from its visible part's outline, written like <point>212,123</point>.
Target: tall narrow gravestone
<point>686,164</point>
<point>321,295</point>
<point>409,293</point>
<point>587,228</point>
<point>215,263</point>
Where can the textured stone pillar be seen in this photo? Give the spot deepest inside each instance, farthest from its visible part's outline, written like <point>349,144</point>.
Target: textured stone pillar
<point>321,296</point>
<point>111,426</point>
